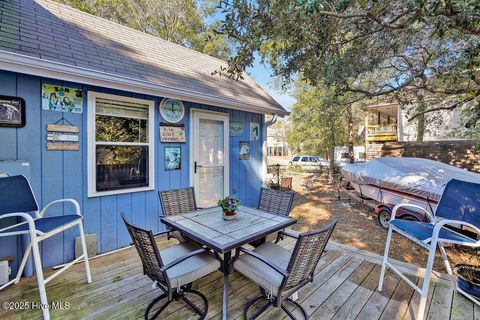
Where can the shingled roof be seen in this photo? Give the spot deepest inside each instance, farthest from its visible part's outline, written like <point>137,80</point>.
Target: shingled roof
<point>38,35</point>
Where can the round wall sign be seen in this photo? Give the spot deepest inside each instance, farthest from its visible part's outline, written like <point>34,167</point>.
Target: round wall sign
<point>172,110</point>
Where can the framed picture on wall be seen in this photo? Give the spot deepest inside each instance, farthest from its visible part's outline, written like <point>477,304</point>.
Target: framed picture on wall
<point>173,158</point>
<point>62,99</point>
<point>254,131</point>
<point>12,112</point>
<point>244,152</point>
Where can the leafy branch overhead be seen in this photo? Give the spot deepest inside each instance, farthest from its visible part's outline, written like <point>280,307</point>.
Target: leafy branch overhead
<point>400,49</point>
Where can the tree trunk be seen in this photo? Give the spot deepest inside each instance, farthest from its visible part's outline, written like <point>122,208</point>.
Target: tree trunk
<point>421,120</point>
<point>351,153</point>
<point>332,148</point>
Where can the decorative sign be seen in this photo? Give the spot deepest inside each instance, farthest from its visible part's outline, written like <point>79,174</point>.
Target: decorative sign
<point>236,128</point>
<point>172,110</point>
<point>12,112</point>
<point>244,153</point>
<point>173,158</point>
<point>63,99</point>
<point>62,137</point>
<point>254,131</point>
<point>172,133</point>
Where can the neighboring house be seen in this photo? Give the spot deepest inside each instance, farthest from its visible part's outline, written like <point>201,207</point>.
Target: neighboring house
<point>276,142</point>
<point>342,156</point>
<point>111,83</point>
<point>388,122</point>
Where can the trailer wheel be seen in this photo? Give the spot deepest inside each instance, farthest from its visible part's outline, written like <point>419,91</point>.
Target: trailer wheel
<point>383,217</point>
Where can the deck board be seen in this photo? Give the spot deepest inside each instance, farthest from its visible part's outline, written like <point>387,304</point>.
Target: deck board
<point>344,287</point>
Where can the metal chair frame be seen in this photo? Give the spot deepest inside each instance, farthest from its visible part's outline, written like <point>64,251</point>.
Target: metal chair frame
<point>36,236</point>
<point>431,245</point>
<point>166,212</point>
<point>285,290</point>
<point>160,278</point>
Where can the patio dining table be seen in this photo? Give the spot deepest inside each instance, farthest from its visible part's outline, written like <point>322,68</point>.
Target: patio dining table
<point>207,227</point>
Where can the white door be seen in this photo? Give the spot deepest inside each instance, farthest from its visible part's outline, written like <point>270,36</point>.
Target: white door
<point>209,161</point>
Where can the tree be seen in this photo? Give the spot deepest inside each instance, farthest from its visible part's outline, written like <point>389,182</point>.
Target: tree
<point>179,21</point>
<point>392,49</point>
<point>320,120</point>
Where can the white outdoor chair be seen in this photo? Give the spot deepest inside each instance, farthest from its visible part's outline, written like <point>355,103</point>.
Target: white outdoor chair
<point>17,201</point>
<point>459,207</point>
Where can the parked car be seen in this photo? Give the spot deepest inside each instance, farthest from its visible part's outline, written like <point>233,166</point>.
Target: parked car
<point>304,160</point>
<point>322,161</point>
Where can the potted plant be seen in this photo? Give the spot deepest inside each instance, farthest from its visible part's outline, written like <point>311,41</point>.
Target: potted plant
<point>229,206</point>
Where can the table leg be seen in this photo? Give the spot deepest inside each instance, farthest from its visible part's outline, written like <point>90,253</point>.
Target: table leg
<point>226,272</point>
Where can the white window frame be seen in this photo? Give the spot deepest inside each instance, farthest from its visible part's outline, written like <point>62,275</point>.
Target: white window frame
<point>91,143</point>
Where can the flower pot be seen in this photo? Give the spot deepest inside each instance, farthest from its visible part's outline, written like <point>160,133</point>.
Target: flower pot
<point>229,215</point>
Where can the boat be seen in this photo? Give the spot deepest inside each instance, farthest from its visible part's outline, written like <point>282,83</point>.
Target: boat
<point>393,180</point>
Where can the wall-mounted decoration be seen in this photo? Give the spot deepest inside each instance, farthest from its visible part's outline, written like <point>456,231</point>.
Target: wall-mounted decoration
<point>172,110</point>
<point>12,112</point>
<point>173,158</point>
<point>254,131</point>
<point>63,137</point>
<point>172,133</point>
<point>236,128</point>
<point>244,153</point>
<point>63,99</point>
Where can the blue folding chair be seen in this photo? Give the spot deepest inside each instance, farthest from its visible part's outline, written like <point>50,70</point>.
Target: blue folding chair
<point>17,200</point>
<point>459,207</point>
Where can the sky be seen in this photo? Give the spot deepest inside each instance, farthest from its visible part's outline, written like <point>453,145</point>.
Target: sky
<point>262,75</point>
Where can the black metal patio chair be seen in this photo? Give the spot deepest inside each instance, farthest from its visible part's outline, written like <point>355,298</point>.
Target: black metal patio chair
<point>173,269</point>
<point>280,273</point>
<point>175,202</point>
<point>275,201</point>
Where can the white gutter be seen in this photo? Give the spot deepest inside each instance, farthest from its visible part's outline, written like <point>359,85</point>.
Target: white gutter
<point>44,68</point>
<point>264,147</point>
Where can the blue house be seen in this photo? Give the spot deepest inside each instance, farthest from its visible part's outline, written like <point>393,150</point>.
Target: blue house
<point>112,116</point>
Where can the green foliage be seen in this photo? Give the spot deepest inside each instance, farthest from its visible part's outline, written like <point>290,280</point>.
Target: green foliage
<point>318,120</point>
<point>179,21</point>
<point>397,49</point>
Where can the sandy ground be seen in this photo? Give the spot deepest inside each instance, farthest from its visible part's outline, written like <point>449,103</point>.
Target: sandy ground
<point>357,226</point>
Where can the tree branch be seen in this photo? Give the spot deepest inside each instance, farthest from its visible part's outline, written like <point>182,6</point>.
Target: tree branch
<point>453,106</point>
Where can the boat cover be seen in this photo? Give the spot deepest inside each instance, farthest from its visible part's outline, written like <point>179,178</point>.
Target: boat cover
<point>421,177</point>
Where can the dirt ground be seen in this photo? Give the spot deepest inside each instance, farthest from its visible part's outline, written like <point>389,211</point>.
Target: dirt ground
<point>357,226</point>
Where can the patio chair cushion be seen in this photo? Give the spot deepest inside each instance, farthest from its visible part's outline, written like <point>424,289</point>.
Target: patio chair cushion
<point>188,270</point>
<point>46,224</point>
<point>259,272</point>
<point>424,231</point>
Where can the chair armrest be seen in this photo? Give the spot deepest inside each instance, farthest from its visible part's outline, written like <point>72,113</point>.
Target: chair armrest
<point>28,218</point>
<point>264,260</point>
<point>73,201</point>
<point>441,223</point>
<point>409,205</point>
<point>183,258</point>
<point>289,233</point>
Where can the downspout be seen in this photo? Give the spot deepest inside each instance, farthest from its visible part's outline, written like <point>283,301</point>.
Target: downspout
<point>264,147</point>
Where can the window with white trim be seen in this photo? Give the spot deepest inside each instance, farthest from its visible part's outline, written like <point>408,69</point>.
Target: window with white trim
<point>120,144</point>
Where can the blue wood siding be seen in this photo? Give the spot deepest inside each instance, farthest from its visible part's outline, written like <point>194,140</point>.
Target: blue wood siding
<point>63,174</point>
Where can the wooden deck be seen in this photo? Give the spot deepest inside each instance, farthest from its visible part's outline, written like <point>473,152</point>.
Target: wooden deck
<point>344,288</point>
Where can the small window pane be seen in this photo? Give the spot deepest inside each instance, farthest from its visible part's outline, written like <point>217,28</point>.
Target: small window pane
<point>117,121</point>
<point>296,158</point>
<point>121,167</point>
<point>304,159</point>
